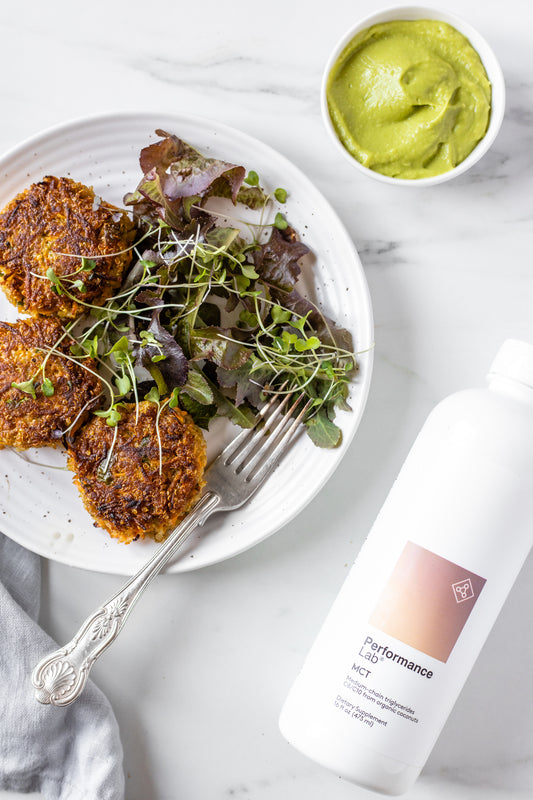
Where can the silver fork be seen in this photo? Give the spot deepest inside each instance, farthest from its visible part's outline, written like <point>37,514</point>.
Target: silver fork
<point>231,480</point>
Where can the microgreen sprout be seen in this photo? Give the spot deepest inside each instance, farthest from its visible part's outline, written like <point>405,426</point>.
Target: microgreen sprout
<point>111,415</point>
<point>174,398</point>
<point>209,317</point>
<point>252,179</point>
<point>27,387</point>
<point>47,387</point>
<point>153,396</point>
<point>280,222</point>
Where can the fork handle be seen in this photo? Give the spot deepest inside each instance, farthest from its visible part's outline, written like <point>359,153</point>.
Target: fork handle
<point>60,677</point>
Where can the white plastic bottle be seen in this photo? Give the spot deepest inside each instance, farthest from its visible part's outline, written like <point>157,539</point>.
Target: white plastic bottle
<point>426,588</point>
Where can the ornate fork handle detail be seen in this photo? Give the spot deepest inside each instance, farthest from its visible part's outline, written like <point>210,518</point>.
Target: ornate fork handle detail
<point>61,676</point>
<point>232,479</point>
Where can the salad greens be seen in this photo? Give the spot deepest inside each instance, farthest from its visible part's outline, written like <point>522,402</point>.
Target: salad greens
<point>209,316</point>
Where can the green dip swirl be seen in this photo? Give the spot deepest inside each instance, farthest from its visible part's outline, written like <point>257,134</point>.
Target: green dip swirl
<point>409,98</point>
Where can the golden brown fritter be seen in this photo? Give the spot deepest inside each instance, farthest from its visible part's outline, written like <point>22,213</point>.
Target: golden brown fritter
<point>58,215</point>
<point>139,483</point>
<point>31,418</point>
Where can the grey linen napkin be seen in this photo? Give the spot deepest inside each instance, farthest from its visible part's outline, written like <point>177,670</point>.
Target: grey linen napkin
<point>71,753</point>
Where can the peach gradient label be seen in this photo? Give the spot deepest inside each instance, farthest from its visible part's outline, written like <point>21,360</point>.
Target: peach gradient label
<point>426,601</point>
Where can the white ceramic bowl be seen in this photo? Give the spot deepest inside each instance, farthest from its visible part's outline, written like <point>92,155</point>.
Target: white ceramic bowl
<point>490,63</point>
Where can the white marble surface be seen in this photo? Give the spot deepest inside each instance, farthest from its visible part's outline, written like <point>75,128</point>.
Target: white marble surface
<point>198,676</point>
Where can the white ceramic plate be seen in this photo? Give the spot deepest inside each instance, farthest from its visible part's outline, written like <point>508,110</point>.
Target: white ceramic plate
<point>39,507</point>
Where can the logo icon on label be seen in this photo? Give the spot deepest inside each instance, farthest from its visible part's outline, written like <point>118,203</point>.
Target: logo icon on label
<point>463,590</point>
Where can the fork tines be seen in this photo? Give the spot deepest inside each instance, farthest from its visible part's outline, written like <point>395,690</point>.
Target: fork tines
<point>256,449</point>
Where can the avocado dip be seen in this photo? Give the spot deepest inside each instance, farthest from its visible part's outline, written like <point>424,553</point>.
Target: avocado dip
<point>409,98</point>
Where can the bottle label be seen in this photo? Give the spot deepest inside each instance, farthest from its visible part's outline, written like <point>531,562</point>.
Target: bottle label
<point>426,602</point>
<point>401,651</point>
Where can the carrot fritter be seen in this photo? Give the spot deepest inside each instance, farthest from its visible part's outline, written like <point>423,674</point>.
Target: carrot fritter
<point>57,393</point>
<point>140,478</point>
<point>41,227</point>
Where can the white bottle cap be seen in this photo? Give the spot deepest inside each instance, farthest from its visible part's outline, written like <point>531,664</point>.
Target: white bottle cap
<point>514,360</point>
